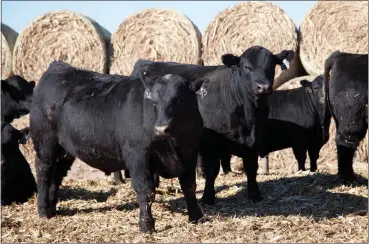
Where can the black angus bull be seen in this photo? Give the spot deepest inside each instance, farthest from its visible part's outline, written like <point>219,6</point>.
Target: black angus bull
<point>233,105</point>
<point>112,122</point>
<point>299,119</point>
<point>346,82</point>
<point>17,181</point>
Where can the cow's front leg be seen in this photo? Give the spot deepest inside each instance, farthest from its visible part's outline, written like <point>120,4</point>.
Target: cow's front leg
<point>144,185</point>
<point>250,165</point>
<point>188,186</point>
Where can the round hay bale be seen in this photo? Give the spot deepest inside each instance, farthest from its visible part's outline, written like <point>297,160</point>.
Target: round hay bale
<point>8,38</point>
<point>248,24</point>
<point>61,35</point>
<point>330,26</point>
<point>154,34</point>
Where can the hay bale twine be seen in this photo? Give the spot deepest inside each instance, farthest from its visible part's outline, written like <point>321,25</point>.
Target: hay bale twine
<point>154,34</point>
<point>61,35</point>
<point>331,26</point>
<point>252,23</point>
<point>8,38</point>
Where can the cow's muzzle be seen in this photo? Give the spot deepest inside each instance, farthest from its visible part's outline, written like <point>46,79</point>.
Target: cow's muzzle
<point>260,89</point>
<point>162,130</point>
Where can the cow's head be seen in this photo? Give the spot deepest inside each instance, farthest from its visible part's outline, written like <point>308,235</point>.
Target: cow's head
<point>257,65</point>
<point>316,92</point>
<point>174,102</point>
<point>16,97</point>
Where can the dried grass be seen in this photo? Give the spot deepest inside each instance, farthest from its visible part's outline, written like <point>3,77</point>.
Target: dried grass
<point>154,34</point>
<point>330,26</point>
<point>247,24</point>
<point>61,35</point>
<point>296,208</point>
<point>8,38</point>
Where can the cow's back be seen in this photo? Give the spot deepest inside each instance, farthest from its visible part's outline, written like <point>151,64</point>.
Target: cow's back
<point>82,106</point>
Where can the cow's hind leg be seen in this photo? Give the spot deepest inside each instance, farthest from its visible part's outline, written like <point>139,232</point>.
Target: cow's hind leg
<point>313,155</point>
<point>345,157</point>
<point>46,155</point>
<point>250,165</point>
<point>225,161</point>
<point>64,163</point>
<point>118,179</point>
<point>211,164</point>
<point>300,155</point>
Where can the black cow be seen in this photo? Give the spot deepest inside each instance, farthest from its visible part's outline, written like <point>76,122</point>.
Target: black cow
<point>346,82</point>
<point>17,181</point>
<point>16,97</point>
<point>113,122</point>
<point>233,104</point>
<point>299,119</point>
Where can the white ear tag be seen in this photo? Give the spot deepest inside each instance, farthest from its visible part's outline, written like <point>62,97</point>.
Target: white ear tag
<point>147,94</point>
<point>285,61</point>
<point>202,92</point>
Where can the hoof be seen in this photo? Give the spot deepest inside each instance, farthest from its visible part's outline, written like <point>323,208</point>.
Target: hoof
<point>313,169</point>
<point>255,197</point>
<point>46,213</point>
<point>195,218</point>
<point>348,178</point>
<point>203,219</point>
<point>119,182</point>
<point>208,200</point>
<point>147,226</point>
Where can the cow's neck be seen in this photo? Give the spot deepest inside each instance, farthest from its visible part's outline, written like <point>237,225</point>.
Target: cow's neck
<point>252,110</point>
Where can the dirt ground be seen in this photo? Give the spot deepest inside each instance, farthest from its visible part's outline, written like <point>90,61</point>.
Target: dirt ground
<point>297,207</point>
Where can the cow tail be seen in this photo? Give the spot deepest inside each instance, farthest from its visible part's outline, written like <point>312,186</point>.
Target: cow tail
<point>326,82</point>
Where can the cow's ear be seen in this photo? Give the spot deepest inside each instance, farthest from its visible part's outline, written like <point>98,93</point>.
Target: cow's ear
<point>148,83</point>
<point>196,85</point>
<point>284,58</point>
<point>230,60</point>
<point>305,83</point>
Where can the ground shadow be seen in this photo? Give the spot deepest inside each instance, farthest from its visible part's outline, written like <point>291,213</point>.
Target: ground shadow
<point>120,207</point>
<point>67,193</point>
<point>310,196</point>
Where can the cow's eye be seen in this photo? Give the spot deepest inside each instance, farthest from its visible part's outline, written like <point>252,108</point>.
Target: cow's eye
<point>247,68</point>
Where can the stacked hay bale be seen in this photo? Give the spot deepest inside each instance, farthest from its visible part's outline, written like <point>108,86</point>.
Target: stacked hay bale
<point>252,23</point>
<point>157,35</point>
<point>8,38</point>
<point>330,26</point>
<point>61,35</point>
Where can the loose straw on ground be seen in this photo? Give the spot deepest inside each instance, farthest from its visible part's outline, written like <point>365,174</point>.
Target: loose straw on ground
<point>157,35</point>
<point>330,26</point>
<point>61,35</point>
<point>8,38</point>
<point>247,24</point>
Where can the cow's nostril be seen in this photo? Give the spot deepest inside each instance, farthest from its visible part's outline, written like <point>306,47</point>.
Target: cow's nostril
<point>160,130</point>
